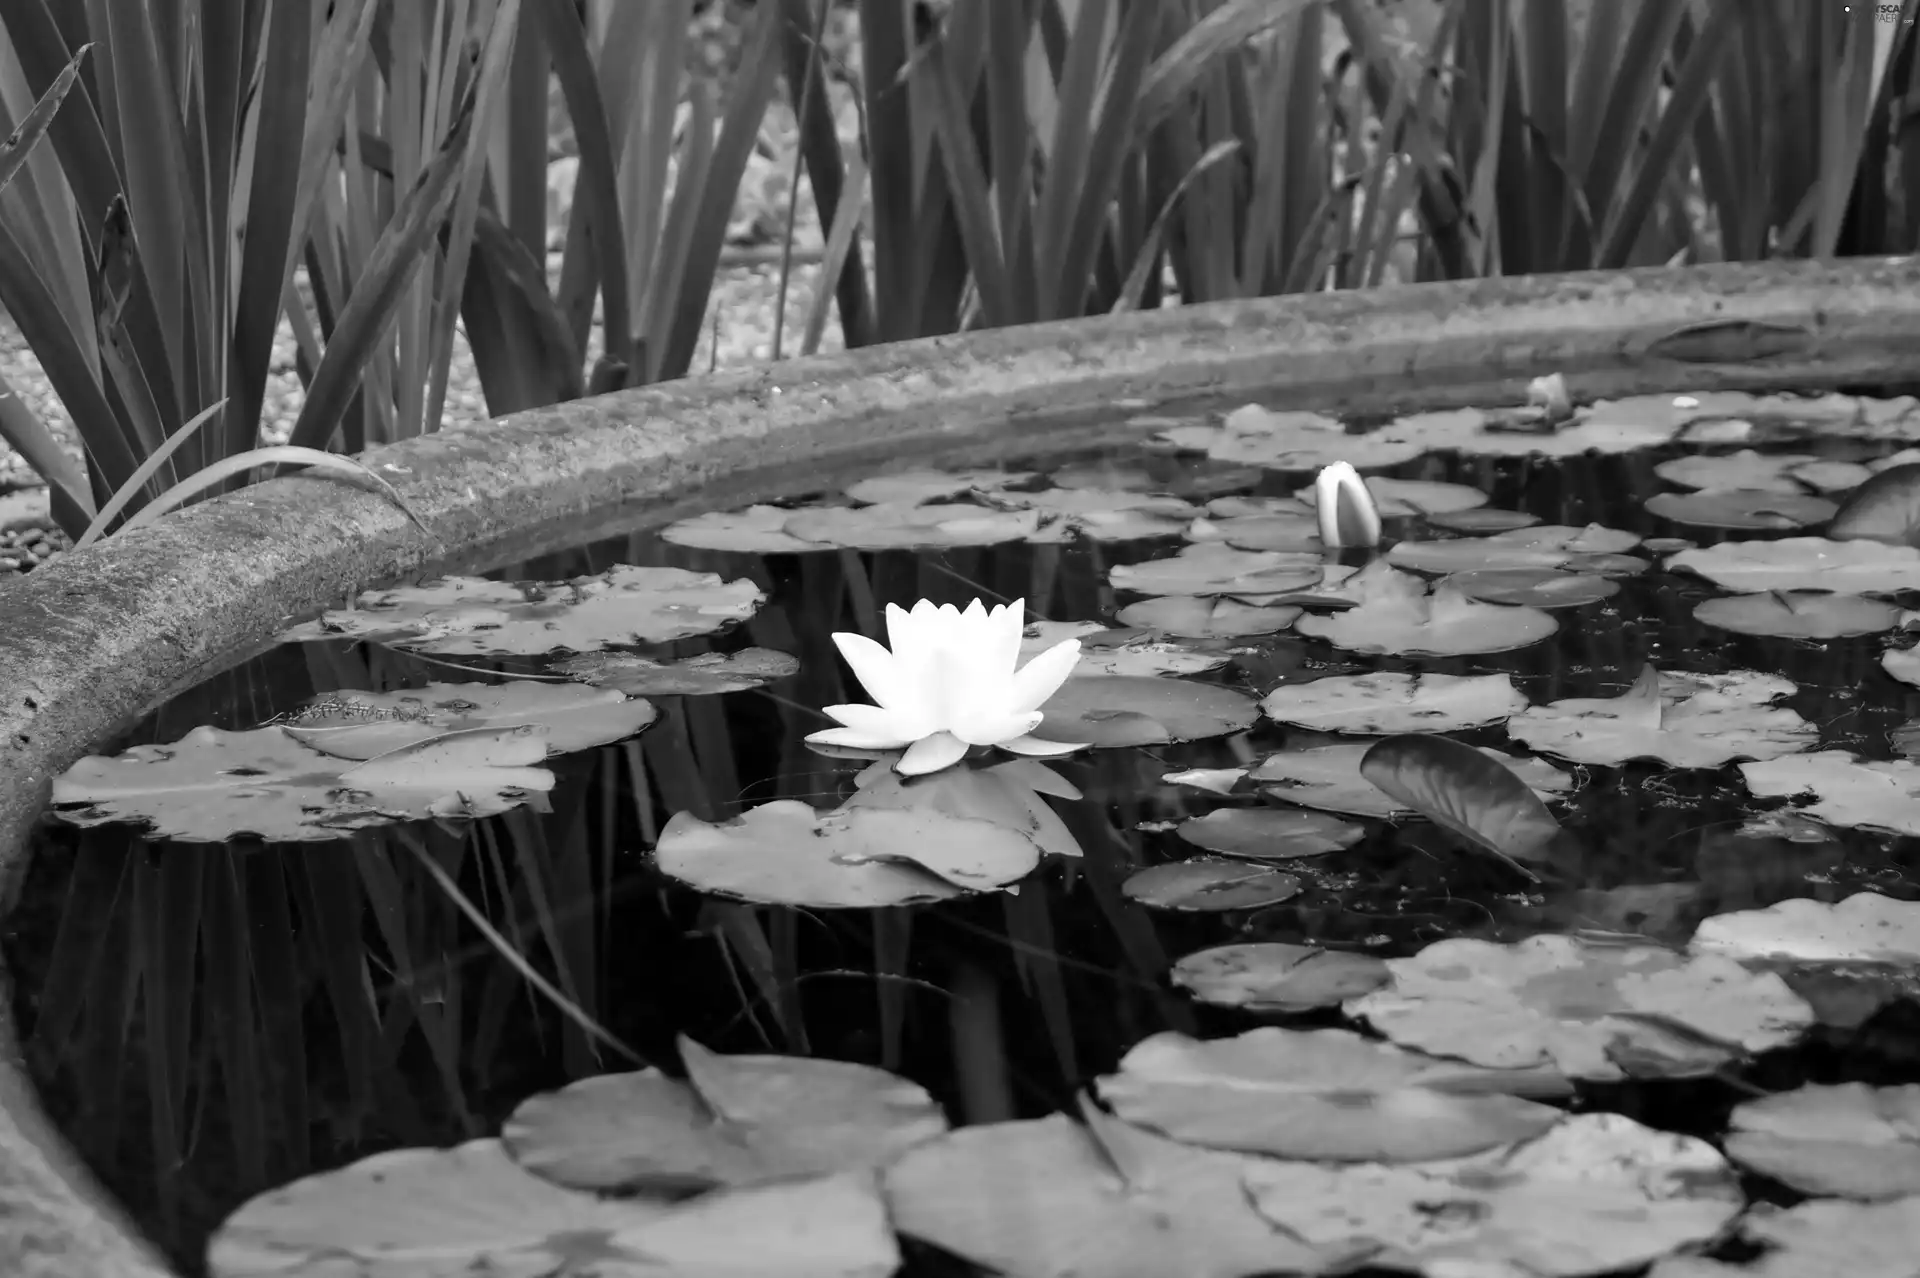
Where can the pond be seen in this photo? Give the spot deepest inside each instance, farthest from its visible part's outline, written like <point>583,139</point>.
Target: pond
<point>235,969</point>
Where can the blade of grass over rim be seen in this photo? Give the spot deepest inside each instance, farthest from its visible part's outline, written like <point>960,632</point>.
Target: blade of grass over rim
<point>331,464</point>
<point>1224,29</point>
<point>390,266</point>
<point>137,482</point>
<point>1149,254</point>
<point>19,145</point>
<point>595,194</point>
<point>828,174</point>
<point>491,81</point>
<point>840,247</point>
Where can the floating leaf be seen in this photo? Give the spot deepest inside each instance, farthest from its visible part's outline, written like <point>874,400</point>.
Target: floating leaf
<point>1687,720</point>
<point>1126,650</point>
<point>757,530</point>
<point>1559,1000</point>
<point>1902,663</point>
<point>1597,1193</point>
<point>1590,549</point>
<point>1328,777</point>
<point>1406,498</point>
<point>1382,703</point>
<point>1289,534</point>
<point>475,617</point>
<point>352,724</point>
<point>908,526</point>
<point>737,1120</point>
<point>1447,623</point>
<point>1884,508</point>
<point>1849,1140</point>
<point>1483,519</point>
<point>1258,436</point>
<point>1827,1236</point>
<point>1743,469</point>
<point>1797,614</point>
<point>1199,617</point>
<point>1268,834</point>
<point>212,786</point>
<point>472,1210</point>
<point>1212,569</point>
<point>1271,976</point>
<point>1210,885</point>
<point>1866,927</point>
<point>1848,792</point>
<point>1042,1197</point>
<point>1101,515</point>
<point>1116,710</point>
<point>1805,563</point>
<point>787,853</point>
<point>1456,786</point>
<point>707,674</point>
<point>1530,587</point>
<point>1323,1095</point>
<point>914,487</point>
<point>1007,794</point>
<point>1741,508</point>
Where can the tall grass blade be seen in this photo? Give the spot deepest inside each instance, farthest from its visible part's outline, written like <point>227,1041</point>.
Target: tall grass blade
<point>841,249</point>
<point>18,147</point>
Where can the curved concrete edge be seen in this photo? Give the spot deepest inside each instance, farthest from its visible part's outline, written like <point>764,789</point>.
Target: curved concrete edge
<point>90,641</point>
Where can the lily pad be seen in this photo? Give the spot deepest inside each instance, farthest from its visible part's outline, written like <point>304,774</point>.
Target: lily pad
<point>475,617</point>
<point>787,853</point>
<point>471,1209</point>
<point>1866,927</point>
<point>1804,563</point>
<point>212,785</point>
<point>1482,519</point>
<point>1848,791</point>
<point>1383,703</point>
<point>1048,1196</point>
<point>1103,515</point>
<point>911,526</point>
<point>1847,1140</point>
<point>1590,549</point>
<point>1597,1193</point>
<point>1118,650</point>
<point>1409,622</point>
<point>1212,569</point>
<point>1826,1236</point>
<point>707,674</point>
<point>1797,614</point>
<point>1581,1007</point>
<point>1406,498</point>
<point>1007,794</point>
<point>1200,617</point>
<point>1258,436</point>
<point>1456,786</point>
<point>1272,976</point>
<point>1329,778</point>
<point>1325,1095</point>
<point>1687,720</point>
<point>1207,885</point>
<point>1530,587</point>
<point>736,1120</point>
<point>1291,534</point>
<point>352,724</point>
<point>1884,508</point>
<point>1743,469</point>
<point>757,530</point>
<point>1742,508</point>
<point>1118,710</point>
<point>920,486</point>
<point>1269,834</point>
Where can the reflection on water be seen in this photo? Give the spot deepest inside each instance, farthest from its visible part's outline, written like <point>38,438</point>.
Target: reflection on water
<point>209,1021</point>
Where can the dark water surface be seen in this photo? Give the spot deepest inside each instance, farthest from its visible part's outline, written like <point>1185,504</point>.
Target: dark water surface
<point>206,1022</point>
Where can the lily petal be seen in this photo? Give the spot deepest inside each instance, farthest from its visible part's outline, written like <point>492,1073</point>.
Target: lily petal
<point>878,672</point>
<point>930,754</point>
<point>855,738</point>
<point>1041,677</point>
<point>1035,746</point>
<point>1001,652</point>
<point>875,721</point>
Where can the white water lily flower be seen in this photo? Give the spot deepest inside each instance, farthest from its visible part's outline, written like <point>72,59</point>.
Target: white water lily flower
<point>949,683</point>
<point>1348,515</point>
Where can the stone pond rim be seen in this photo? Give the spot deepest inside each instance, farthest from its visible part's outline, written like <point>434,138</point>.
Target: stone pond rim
<point>94,638</point>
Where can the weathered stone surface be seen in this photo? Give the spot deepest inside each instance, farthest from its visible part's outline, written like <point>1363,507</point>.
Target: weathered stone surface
<point>94,638</point>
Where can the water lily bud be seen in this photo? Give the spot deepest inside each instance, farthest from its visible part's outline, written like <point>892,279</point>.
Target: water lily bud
<point>1348,516</point>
